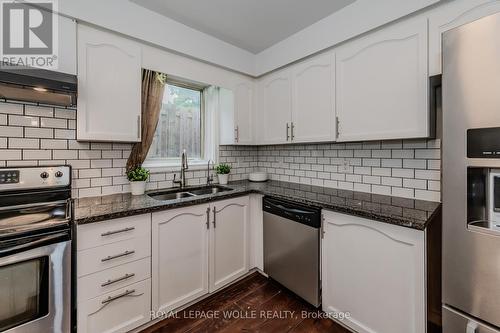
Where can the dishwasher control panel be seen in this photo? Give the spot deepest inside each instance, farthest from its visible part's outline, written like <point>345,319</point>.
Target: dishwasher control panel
<point>297,212</point>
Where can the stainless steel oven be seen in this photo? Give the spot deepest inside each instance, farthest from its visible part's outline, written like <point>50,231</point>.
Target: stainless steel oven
<point>35,284</point>
<point>35,250</point>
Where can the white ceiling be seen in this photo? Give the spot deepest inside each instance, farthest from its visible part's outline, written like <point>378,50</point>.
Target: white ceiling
<point>253,25</point>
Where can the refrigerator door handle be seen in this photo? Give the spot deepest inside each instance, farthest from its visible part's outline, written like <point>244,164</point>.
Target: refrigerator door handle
<point>471,327</point>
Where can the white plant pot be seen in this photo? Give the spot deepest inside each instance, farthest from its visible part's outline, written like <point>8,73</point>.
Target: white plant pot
<point>223,179</point>
<point>138,188</point>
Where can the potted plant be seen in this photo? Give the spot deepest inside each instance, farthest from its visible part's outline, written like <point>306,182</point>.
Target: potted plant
<point>223,171</point>
<point>137,178</point>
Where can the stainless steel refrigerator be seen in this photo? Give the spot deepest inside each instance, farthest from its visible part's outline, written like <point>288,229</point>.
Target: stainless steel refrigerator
<point>471,177</point>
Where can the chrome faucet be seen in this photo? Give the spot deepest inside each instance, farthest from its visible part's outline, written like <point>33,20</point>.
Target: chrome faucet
<point>184,167</point>
<point>210,178</point>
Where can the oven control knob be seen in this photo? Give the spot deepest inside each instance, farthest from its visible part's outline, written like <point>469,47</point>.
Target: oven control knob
<point>59,174</point>
<point>44,175</point>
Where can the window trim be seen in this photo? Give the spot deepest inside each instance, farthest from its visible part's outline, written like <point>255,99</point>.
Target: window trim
<point>158,165</point>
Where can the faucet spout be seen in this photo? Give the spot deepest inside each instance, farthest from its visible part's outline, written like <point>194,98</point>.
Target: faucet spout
<point>184,167</point>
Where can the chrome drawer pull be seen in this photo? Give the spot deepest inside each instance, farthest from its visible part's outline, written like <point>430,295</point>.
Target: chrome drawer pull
<point>114,298</point>
<point>110,282</point>
<point>109,233</point>
<point>126,253</point>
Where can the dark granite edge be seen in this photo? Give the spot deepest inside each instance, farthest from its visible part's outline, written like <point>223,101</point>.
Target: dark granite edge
<point>161,207</point>
<point>402,221</point>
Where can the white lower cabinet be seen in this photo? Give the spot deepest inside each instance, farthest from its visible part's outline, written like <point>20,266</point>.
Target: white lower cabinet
<point>228,241</point>
<point>376,272</point>
<point>196,251</point>
<point>179,256</point>
<point>114,275</point>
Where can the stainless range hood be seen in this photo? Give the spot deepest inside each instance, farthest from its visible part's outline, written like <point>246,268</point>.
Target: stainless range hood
<point>37,85</point>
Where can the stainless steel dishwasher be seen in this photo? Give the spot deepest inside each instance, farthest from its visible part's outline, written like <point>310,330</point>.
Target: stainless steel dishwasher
<point>292,247</point>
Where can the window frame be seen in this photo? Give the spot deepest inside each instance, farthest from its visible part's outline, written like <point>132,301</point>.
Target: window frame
<point>173,163</point>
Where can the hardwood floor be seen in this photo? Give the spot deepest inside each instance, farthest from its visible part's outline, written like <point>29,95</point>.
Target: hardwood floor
<point>254,304</point>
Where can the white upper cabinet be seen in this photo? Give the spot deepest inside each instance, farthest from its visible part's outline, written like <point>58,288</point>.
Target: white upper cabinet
<point>236,112</point>
<point>109,87</point>
<point>229,241</point>
<point>371,269</point>
<point>313,100</point>
<point>382,84</point>
<point>67,45</point>
<point>275,108</point>
<point>451,15</point>
<point>243,107</point>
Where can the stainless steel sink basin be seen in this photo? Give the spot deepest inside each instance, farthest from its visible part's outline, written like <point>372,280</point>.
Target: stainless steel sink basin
<point>188,192</point>
<point>170,195</point>
<point>210,190</point>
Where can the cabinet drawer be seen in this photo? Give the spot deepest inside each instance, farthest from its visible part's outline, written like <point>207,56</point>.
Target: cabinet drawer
<point>108,280</point>
<point>111,255</point>
<point>119,311</point>
<point>106,232</point>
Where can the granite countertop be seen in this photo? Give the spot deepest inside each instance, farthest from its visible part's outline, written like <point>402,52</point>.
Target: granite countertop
<point>415,214</point>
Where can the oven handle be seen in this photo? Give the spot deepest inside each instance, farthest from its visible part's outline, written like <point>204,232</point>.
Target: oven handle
<point>34,243</point>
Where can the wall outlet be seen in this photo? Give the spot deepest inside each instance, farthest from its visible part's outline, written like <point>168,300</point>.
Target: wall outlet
<point>344,166</point>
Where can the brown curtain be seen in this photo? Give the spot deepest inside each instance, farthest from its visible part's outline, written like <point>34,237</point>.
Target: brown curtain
<point>152,96</point>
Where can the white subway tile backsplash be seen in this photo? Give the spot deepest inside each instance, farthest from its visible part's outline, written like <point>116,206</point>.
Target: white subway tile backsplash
<point>23,143</point>
<point>37,154</point>
<point>53,144</point>
<point>34,132</point>
<point>11,108</point>
<point>10,154</point>
<point>15,120</point>
<point>46,136</point>
<point>38,111</point>
<point>11,132</point>
<point>54,123</point>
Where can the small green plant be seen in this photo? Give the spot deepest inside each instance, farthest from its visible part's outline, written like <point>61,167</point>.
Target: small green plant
<point>139,174</point>
<point>223,169</point>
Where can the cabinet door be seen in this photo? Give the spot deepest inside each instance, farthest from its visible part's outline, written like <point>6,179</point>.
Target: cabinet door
<point>243,107</point>
<point>451,15</point>
<point>276,108</point>
<point>313,115</point>
<point>382,265</point>
<point>109,87</point>
<point>67,45</point>
<point>382,84</point>
<point>228,241</point>
<point>179,256</point>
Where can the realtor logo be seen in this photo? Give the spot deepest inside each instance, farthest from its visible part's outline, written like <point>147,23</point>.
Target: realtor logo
<point>29,34</point>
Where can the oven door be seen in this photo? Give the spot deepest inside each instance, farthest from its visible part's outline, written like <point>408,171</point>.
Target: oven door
<point>35,284</point>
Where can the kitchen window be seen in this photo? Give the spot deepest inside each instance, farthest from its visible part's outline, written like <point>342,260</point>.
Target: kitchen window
<point>186,122</point>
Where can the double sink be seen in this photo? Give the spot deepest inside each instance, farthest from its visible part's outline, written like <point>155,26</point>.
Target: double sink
<point>188,192</point>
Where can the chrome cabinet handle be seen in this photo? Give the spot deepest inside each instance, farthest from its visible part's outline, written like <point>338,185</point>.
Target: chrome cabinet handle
<point>215,214</point>
<point>116,256</point>
<point>110,282</point>
<point>291,130</point>
<point>114,298</point>
<point>208,217</point>
<point>337,129</point>
<point>114,232</point>
<point>287,129</point>
<point>138,127</point>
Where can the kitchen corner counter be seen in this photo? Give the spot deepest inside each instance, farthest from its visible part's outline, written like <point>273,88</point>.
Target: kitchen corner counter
<point>410,213</point>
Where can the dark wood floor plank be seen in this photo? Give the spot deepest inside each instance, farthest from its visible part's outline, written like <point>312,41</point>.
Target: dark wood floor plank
<point>249,306</point>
